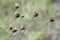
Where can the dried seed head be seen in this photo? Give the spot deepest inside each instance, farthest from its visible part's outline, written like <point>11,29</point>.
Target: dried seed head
<point>52,20</point>
<point>15,30</point>
<point>11,28</point>
<point>17,15</point>
<point>22,16</point>
<point>35,14</point>
<point>16,5</point>
<point>23,28</point>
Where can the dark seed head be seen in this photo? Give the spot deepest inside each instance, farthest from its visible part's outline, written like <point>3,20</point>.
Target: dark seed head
<point>16,6</point>
<point>11,28</point>
<point>15,30</point>
<point>17,15</point>
<point>22,16</point>
<point>23,28</point>
<point>51,20</point>
<point>35,14</point>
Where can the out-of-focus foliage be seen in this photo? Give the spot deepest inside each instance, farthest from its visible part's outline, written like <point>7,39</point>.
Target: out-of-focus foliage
<point>37,36</point>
